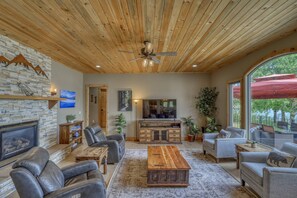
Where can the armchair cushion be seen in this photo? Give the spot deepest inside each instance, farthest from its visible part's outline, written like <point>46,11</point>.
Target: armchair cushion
<point>254,171</point>
<point>34,161</point>
<point>98,137</point>
<point>224,134</point>
<point>258,157</point>
<point>290,148</point>
<point>51,178</point>
<point>277,158</point>
<point>236,132</point>
<point>209,143</point>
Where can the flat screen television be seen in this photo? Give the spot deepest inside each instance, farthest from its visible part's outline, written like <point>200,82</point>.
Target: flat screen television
<point>159,109</point>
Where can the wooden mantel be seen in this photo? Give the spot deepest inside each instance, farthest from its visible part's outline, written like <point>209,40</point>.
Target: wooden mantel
<point>51,100</point>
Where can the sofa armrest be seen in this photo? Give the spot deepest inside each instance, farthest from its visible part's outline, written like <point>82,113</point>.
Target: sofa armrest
<point>279,182</point>
<point>109,143</point>
<point>90,188</point>
<point>79,168</point>
<point>258,157</point>
<point>117,137</point>
<point>210,135</point>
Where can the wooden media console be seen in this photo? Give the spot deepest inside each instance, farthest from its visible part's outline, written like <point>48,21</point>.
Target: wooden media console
<point>159,131</point>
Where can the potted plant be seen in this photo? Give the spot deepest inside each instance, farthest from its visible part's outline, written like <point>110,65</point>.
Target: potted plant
<point>206,105</point>
<point>211,125</point>
<point>120,123</point>
<point>70,118</point>
<point>254,144</point>
<point>195,131</point>
<point>188,122</point>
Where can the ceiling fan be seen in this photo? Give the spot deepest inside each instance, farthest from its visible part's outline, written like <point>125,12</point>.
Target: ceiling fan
<point>148,55</point>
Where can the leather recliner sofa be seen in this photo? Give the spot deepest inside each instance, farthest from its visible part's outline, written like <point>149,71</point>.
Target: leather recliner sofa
<point>116,143</point>
<point>35,176</point>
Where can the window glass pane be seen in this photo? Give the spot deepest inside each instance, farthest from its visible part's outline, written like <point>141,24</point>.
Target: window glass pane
<point>273,101</point>
<point>235,105</point>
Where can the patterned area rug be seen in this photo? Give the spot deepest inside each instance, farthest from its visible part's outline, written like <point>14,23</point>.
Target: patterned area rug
<point>207,179</point>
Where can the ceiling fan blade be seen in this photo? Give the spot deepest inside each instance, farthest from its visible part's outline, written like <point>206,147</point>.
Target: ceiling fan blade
<point>126,51</point>
<point>156,60</point>
<point>166,53</point>
<point>135,59</point>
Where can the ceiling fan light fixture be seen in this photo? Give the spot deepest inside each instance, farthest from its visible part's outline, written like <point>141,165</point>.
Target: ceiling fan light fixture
<point>151,63</point>
<point>145,62</point>
<point>194,65</point>
<point>148,47</point>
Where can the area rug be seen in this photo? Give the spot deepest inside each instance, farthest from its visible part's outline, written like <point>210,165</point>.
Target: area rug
<point>207,179</point>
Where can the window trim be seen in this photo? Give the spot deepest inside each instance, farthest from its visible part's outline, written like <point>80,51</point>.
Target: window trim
<point>238,80</point>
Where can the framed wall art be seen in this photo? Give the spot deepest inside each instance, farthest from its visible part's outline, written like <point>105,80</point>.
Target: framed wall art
<point>125,100</point>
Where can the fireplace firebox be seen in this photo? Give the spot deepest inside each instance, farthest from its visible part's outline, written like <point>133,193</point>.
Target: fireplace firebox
<point>17,138</point>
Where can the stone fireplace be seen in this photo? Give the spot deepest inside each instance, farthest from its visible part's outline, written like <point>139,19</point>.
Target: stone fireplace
<point>22,111</point>
<point>17,138</point>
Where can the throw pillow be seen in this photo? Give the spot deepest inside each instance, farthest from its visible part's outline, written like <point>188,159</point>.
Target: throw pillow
<point>278,158</point>
<point>224,134</point>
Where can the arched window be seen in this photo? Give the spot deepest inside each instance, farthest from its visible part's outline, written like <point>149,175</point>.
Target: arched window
<point>272,101</point>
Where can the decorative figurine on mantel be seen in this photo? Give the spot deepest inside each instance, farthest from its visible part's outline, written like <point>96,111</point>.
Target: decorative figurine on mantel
<point>25,89</point>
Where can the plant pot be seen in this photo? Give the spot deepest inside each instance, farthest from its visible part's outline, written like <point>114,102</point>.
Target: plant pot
<point>196,136</point>
<point>191,138</point>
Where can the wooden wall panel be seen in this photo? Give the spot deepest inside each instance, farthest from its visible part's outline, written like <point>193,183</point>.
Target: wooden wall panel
<point>84,33</point>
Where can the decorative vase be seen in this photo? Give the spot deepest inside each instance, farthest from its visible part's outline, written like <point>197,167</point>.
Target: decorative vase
<point>253,145</point>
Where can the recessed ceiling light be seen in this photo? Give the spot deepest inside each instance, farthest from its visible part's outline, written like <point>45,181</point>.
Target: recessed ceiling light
<point>194,65</point>
<point>98,66</point>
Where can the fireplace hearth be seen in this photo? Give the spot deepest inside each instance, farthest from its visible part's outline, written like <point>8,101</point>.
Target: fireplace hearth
<point>17,138</point>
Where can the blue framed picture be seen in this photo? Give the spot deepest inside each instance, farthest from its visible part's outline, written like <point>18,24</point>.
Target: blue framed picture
<point>70,99</point>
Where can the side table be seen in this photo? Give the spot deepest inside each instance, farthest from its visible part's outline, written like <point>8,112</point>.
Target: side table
<point>248,148</point>
<point>94,153</point>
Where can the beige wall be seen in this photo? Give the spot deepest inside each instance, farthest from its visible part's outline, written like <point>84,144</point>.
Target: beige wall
<point>238,69</point>
<point>183,87</point>
<point>68,79</point>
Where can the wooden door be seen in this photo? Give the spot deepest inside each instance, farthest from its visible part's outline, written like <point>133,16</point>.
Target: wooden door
<point>102,107</point>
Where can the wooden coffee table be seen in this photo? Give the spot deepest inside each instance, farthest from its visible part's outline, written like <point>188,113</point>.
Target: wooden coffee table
<point>167,167</point>
<point>248,148</point>
<point>94,153</point>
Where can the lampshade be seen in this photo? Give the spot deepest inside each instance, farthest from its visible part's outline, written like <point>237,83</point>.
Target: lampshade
<point>145,62</point>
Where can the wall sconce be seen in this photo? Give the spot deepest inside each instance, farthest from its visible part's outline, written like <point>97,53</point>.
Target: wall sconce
<point>54,92</point>
<point>136,101</point>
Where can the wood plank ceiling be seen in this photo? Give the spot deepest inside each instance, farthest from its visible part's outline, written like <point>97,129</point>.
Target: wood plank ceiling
<point>85,33</point>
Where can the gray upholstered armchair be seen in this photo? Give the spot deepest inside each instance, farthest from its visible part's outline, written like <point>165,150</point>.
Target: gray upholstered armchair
<point>223,147</point>
<point>35,176</point>
<point>116,143</point>
<point>269,182</point>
